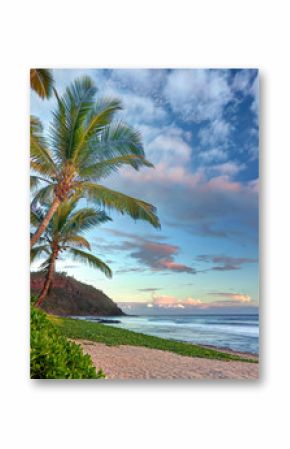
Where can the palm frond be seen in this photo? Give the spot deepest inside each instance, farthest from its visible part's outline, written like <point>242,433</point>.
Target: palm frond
<point>91,260</point>
<point>41,160</point>
<point>68,118</point>
<point>37,251</point>
<point>77,240</point>
<point>119,139</point>
<point>35,218</point>
<point>84,219</point>
<point>44,195</point>
<point>45,265</point>
<point>41,81</point>
<point>107,198</point>
<point>64,210</point>
<point>34,182</point>
<point>98,118</point>
<point>108,166</point>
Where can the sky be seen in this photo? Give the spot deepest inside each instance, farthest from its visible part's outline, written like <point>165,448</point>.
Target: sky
<point>200,129</point>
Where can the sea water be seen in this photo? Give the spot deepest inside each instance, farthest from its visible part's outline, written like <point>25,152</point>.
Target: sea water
<point>235,332</point>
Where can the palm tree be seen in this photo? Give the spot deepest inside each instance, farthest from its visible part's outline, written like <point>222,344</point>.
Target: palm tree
<point>85,145</point>
<point>41,81</point>
<point>64,234</point>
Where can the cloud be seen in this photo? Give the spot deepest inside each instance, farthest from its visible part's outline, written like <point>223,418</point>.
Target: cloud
<point>243,80</point>
<point>204,196</point>
<point>152,254</point>
<point>138,109</point>
<point>233,302</point>
<point>198,95</point>
<point>142,81</point>
<point>206,230</point>
<point>159,256</point>
<point>169,147</point>
<point>216,133</point>
<point>174,303</point>
<point>225,263</point>
<point>149,289</point>
<point>239,297</point>
<point>130,270</point>
<point>246,82</point>
<point>213,155</point>
<point>229,168</point>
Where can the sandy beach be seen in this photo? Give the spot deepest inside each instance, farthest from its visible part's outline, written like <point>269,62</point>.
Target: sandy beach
<point>132,362</point>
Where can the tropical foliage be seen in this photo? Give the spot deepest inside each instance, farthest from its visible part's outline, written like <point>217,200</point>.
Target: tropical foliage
<point>53,356</point>
<point>85,145</point>
<point>41,81</point>
<point>64,234</point>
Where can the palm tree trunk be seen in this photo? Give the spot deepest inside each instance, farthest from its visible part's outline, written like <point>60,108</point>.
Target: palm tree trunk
<point>46,220</point>
<point>48,278</point>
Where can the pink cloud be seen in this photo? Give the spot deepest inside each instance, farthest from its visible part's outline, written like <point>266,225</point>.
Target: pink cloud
<point>222,183</point>
<point>238,297</point>
<point>170,265</point>
<point>171,302</point>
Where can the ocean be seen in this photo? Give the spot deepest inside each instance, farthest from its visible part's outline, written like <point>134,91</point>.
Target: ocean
<point>235,332</point>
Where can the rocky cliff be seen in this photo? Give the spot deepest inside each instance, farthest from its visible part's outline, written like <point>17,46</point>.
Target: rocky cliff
<point>71,297</point>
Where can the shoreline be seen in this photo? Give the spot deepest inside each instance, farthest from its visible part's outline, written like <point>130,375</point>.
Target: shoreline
<point>124,362</point>
<point>115,336</point>
<point>231,351</point>
<point>124,354</point>
<point>113,320</point>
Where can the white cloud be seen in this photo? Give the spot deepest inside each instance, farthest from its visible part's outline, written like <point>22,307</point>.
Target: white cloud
<point>242,80</point>
<point>217,132</point>
<point>170,149</point>
<point>138,109</point>
<point>142,82</point>
<point>198,95</point>
<point>255,93</point>
<point>213,155</point>
<point>229,168</point>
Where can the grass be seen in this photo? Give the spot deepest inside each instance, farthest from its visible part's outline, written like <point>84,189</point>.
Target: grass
<point>86,330</point>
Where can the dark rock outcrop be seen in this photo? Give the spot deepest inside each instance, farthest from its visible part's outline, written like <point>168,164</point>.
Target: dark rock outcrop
<point>69,297</point>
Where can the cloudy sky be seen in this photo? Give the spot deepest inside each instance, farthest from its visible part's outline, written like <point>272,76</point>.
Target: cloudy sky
<point>200,129</point>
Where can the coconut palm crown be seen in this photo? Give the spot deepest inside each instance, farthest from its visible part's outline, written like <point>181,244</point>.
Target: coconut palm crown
<point>64,234</point>
<point>85,145</point>
<point>41,81</point>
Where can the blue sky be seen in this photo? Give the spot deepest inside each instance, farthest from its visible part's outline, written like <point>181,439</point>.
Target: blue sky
<point>200,129</point>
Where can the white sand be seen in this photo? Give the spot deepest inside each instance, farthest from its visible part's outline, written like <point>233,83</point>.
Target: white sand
<point>134,362</point>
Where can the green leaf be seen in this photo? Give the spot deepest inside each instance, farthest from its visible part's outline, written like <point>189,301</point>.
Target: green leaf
<point>41,81</point>
<point>77,240</point>
<point>70,115</point>
<point>98,118</point>
<point>37,251</point>
<point>91,260</point>
<point>108,166</point>
<point>137,209</point>
<point>41,160</point>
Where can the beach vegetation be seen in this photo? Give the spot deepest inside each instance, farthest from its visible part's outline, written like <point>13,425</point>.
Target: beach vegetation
<point>53,356</point>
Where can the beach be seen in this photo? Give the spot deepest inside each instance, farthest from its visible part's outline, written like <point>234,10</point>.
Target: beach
<point>132,362</point>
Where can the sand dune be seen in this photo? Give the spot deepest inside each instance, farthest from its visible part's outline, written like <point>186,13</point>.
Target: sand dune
<point>132,362</point>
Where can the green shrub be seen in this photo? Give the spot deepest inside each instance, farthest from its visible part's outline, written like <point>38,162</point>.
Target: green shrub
<point>53,356</point>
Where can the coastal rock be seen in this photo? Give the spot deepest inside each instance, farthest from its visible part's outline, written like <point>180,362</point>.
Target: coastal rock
<point>69,297</point>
